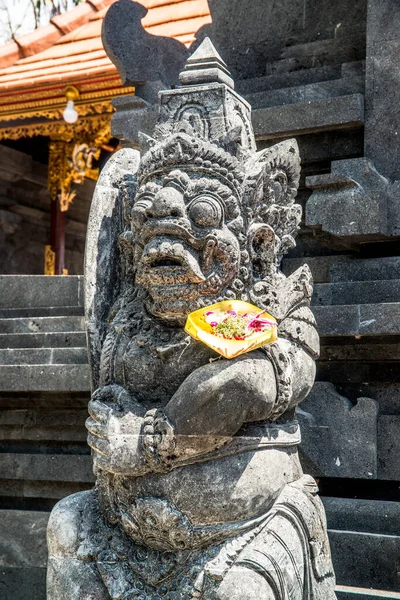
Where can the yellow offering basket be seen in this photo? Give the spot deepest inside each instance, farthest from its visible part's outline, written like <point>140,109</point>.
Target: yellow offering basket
<point>199,329</point>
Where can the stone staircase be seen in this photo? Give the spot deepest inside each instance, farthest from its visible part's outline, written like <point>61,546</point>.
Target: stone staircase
<point>350,431</point>
<point>351,420</point>
<point>44,390</point>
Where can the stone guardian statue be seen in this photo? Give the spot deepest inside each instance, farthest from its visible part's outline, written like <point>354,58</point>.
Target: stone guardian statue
<point>199,490</point>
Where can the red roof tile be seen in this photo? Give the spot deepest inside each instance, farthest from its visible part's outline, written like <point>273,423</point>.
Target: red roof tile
<point>69,49</point>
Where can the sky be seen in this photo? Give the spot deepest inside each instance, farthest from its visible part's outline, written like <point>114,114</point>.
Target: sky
<point>17,17</point>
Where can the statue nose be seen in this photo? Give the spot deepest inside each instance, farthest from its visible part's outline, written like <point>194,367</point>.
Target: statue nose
<point>168,202</point>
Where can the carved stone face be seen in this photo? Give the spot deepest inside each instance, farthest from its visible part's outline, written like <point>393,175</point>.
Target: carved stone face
<point>185,228</point>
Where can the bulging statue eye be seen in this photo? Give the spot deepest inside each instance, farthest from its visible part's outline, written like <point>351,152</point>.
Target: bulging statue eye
<point>139,210</point>
<point>206,212</point>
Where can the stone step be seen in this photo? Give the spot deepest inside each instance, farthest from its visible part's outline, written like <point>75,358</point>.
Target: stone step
<point>42,324</point>
<point>43,356</point>
<point>344,374</point>
<point>342,268</point>
<point>280,76</point>
<point>344,592</point>
<point>306,93</point>
<point>360,351</point>
<point>320,266</point>
<point>37,291</point>
<point>46,311</point>
<point>357,292</point>
<point>67,339</point>
<point>366,560</point>
<point>33,493</point>
<point>43,425</point>
<point>44,378</point>
<point>43,417</point>
<point>23,554</point>
<point>371,269</point>
<point>46,467</point>
<point>368,516</point>
<point>38,437</point>
<point>342,112</point>
<point>358,319</point>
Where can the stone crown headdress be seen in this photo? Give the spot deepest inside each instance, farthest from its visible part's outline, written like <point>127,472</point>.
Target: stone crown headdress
<point>205,126</point>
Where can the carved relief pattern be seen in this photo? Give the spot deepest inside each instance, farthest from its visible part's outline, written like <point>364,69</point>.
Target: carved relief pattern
<point>70,162</point>
<point>188,563</point>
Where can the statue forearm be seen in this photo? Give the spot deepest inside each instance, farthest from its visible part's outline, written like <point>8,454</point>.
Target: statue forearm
<point>218,398</point>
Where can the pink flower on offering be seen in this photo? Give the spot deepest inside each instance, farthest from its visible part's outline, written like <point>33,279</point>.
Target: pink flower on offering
<point>211,318</point>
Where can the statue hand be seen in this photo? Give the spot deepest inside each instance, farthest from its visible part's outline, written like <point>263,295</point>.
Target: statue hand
<point>114,428</point>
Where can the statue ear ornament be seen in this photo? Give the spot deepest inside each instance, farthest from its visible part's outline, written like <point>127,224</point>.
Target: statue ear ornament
<point>262,247</point>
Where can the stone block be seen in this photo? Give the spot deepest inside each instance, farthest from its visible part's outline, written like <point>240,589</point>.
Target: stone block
<point>383,19</point>
<point>254,23</point>
<point>62,378</point>
<point>382,120</point>
<point>63,427</point>
<point>41,324</point>
<point>46,311</point>
<point>329,145</point>
<point>378,319</point>
<point>368,516</point>
<point>34,291</point>
<point>43,356</point>
<point>358,319</point>
<point>361,350</point>
<point>43,340</point>
<point>357,292</point>
<point>337,321</point>
<point>45,467</point>
<point>389,447</point>
<point>37,492</point>
<point>23,583</point>
<point>278,75</point>
<point>43,417</point>
<point>320,266</point>
<point>371,269</point>
<point>322,295</point>
<point>351,201</point>
<point>369,370</point>
<point>394,208</point>
<point>322,90</point>
<point>338,439</point>
<point>23,538</point>
<point>319,115</point>
<point>387,396</point>
<point>366,560</point>
<point>345,592</point>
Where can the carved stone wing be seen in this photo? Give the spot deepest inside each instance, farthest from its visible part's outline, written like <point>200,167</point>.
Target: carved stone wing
<point>104,274</point>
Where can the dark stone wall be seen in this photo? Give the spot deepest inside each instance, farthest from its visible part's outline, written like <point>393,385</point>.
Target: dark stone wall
<point>25,216</point>
<point>263,37</point>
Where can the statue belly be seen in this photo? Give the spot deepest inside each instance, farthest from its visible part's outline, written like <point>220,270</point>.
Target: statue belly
<point>225,490</point>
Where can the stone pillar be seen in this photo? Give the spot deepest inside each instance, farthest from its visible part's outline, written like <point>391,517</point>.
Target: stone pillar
<point>359,198</point>
<point>382,87</point>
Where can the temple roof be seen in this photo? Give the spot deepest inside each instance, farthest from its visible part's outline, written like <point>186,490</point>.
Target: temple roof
<point>36,67</point>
